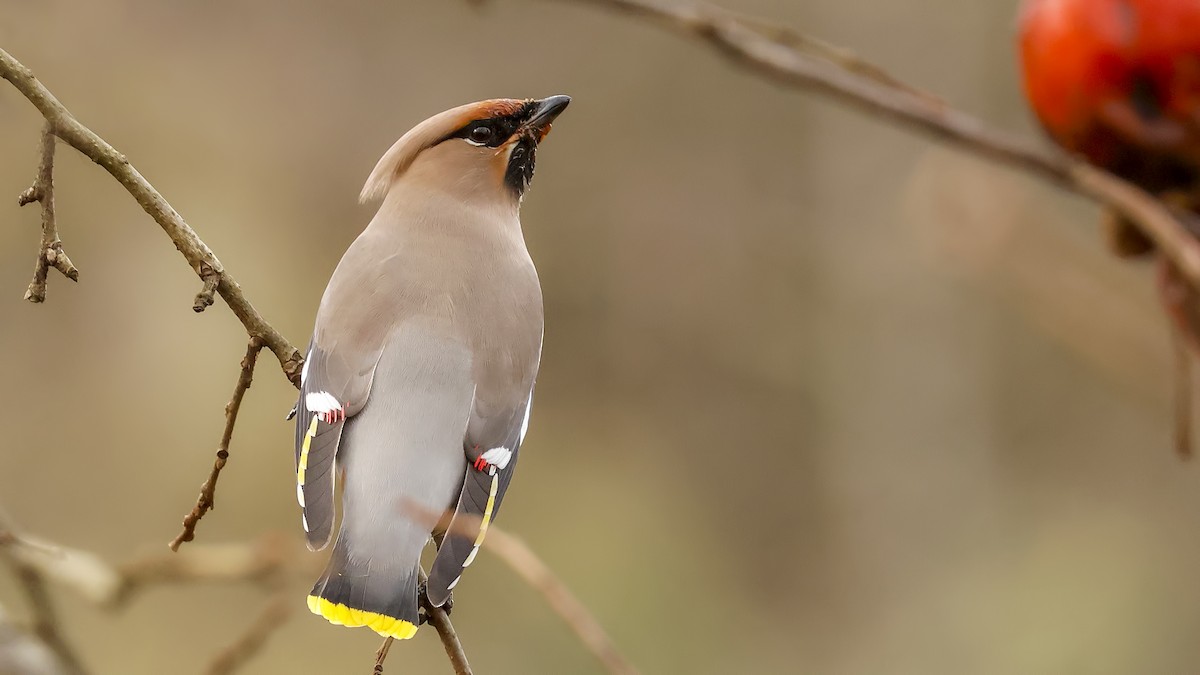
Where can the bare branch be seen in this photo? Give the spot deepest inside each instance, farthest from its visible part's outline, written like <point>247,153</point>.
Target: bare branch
<point>381,655</point>
<point>269,562</point>
<point>50,250</point>
<point>272,618</point>
<point>208,490</point>
<point>266,561</point>
<point>776,54</point>
<point>84,572</point>
<point>197,253</point>
<point>527,565</point>
<point>440,620</point>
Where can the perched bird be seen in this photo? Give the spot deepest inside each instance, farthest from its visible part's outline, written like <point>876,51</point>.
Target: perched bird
<point>418,380</point>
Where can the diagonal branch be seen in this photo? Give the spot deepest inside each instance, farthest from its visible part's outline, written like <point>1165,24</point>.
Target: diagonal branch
<point>787,57</point>
<point>251,642</point>
<point>61,123</point>
<point>207,497</point>
<point>266,561</point>
<point>527,565</point>
<point>50,251</point>
<point>439,618</point>
<point>381,655</point>
<point>199,256</point>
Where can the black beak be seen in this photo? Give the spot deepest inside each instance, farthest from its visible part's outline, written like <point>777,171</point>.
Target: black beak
<point>547,109</point>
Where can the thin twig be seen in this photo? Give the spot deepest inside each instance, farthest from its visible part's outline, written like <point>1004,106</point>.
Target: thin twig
<point>789,37</point>
<point>251,642</point>
<point>440,620</point>
<point>50,250</point>
<point>207,496</point>
<point>266,561</point>
<point>527,565</point>
<point>61,123</point>
<point>381,654</point>
<point>197,253</point>
<point>870,89</point>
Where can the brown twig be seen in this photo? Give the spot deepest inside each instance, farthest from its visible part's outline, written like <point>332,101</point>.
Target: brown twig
<point>266,561</point>
<point>871,90</point>
<point>50,250</point>
<point>197,253</point>
<point>381,655</point>
<point>527,565</point>
<point>61,123</point>
<point>207,497</point>
<point>251,642</point>
<point>269,561</point>
<point>440,620</point>
<point>789,37</point>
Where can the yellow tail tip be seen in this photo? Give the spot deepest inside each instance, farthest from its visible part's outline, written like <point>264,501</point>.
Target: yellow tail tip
<point>342,615</point>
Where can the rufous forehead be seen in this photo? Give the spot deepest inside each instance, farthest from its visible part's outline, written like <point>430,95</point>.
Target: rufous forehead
<point>498,107</point>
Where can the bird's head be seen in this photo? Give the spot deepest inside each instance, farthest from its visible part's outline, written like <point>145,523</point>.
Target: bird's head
<point>479,150</point>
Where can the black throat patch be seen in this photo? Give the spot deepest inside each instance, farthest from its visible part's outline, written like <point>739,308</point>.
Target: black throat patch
<point>520,164</point>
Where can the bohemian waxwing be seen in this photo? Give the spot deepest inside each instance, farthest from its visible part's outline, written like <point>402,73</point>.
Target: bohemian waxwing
<point>419,376</point>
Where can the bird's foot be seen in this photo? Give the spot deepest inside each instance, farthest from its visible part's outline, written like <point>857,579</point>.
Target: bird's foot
<point>425,605</point>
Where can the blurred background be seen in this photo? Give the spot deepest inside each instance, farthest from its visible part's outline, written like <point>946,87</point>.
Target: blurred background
<point>817,395</point>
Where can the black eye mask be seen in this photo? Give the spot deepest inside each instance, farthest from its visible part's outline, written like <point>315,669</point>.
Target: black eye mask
<point>491,132</point>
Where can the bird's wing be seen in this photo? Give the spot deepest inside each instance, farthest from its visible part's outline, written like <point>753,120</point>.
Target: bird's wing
<point>333,388</point>
<point>495,440</point>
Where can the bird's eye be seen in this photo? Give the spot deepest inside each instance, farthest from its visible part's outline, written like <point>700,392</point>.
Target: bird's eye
<point>481,134</point>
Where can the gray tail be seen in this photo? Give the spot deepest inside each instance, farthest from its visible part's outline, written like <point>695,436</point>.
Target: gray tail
<point>368,593</point>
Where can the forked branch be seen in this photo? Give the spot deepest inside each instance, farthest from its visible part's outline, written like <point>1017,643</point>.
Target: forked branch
<point>50,250</point>
<point>199,256</point>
